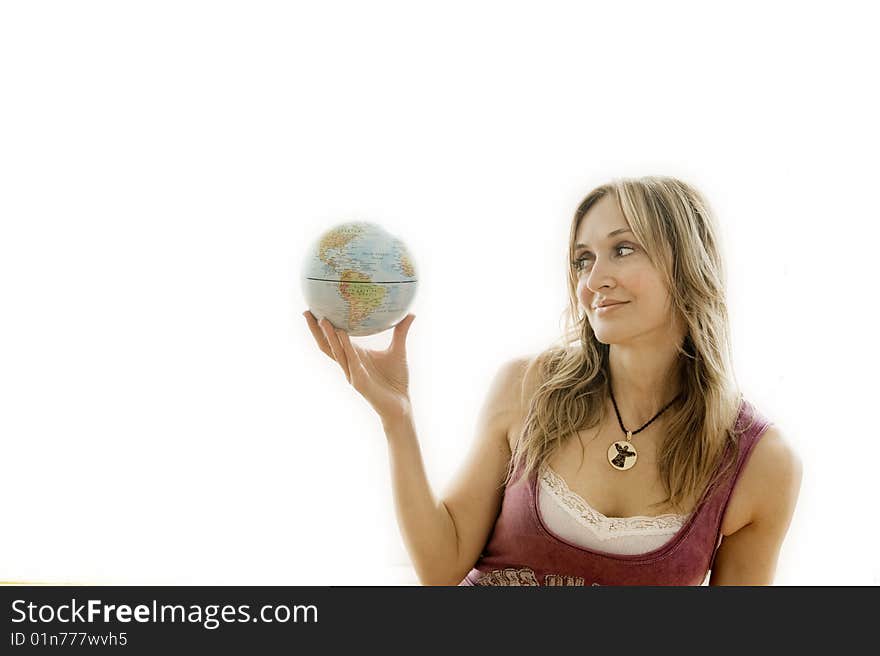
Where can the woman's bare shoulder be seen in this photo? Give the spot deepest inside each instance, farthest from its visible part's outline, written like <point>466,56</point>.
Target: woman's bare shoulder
<point>523,375</point>
<point>520,375</point>
<point>526,372</point>
<point>773,465</point>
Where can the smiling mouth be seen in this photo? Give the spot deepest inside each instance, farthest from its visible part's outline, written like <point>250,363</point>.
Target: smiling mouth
<point>607,308</point>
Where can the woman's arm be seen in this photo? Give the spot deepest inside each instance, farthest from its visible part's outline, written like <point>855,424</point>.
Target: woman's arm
<point>426,526</point>
<point>773,474</point>
<point>444,537</point>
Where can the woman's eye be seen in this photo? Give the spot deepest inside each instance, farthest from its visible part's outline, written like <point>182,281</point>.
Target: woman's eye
<point>578,264</point>
<point>581,262</point>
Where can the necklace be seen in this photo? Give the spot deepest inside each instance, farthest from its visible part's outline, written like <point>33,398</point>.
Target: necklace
<point>622,454</point>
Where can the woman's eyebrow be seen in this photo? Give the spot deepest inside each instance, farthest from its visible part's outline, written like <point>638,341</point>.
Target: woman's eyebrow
<point>610,235</point>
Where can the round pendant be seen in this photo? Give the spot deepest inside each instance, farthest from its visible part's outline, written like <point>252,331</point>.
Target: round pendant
<point>622,455</point>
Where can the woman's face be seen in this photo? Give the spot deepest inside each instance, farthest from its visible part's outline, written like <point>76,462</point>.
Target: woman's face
<point>611,266</point>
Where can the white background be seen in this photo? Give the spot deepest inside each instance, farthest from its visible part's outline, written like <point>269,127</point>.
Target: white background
<point>165,416</point>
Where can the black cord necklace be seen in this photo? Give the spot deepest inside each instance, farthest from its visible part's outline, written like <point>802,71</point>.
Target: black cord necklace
<point>622,454</point>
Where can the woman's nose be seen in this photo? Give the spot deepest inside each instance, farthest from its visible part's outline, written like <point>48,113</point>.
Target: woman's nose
<point>598,276</point>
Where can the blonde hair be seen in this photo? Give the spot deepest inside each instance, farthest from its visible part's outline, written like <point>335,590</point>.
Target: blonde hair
<point>679,234</point>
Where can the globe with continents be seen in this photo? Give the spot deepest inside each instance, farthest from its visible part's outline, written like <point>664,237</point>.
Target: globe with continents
<point>360,277</point>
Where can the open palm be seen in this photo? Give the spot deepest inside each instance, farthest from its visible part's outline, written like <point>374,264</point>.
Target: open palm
<point>380,376</point>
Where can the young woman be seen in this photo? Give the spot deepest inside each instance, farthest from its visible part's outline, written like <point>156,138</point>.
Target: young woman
<point>625,454</point>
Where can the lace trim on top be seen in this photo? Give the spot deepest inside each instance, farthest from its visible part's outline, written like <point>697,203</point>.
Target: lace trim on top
<point>606,527</point>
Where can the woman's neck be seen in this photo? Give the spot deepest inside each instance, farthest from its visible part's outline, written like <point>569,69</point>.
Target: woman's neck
<point>643,381</point>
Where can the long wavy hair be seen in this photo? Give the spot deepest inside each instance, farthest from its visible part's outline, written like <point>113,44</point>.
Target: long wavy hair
<point>677,229</point>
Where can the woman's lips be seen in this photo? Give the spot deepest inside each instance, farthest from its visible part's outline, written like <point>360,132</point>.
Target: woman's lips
<point>602,311</point>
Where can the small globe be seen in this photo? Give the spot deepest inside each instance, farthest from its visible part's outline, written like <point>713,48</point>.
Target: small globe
<point>360,277</point>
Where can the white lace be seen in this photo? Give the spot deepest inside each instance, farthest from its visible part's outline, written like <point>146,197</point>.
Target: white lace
<point>606,527</point>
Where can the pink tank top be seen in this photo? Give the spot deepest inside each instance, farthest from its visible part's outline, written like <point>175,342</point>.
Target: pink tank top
<point>523,551</point>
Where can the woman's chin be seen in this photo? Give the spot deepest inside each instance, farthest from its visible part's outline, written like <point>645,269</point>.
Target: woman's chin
<point>604,337</point>
<point>608,337</point>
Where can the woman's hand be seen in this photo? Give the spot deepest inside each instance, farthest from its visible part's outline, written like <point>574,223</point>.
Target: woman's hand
<point>381,377</point>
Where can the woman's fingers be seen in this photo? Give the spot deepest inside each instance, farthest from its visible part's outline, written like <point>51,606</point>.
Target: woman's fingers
<point>333,342</point>
<point>335,346</point>
<point>354,360</point>
<point>318,334</point>
<point>398,339</point>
